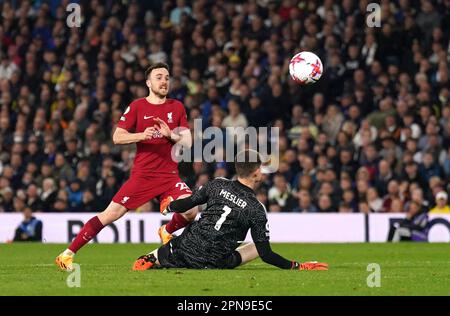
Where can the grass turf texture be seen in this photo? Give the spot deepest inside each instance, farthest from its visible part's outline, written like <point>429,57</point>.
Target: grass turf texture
<point>406,269</point>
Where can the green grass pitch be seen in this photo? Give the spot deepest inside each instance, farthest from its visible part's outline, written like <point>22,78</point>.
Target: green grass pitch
<point>406,269</point>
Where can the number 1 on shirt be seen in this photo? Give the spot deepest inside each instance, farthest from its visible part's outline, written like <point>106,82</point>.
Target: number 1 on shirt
<point>222,218</point>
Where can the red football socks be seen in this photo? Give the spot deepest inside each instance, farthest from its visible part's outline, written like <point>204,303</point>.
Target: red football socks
<point>177,222</point>
<point>89,231</point>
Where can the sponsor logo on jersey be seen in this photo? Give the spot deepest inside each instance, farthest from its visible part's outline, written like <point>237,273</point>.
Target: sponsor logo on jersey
<point>169,117</point>
<point>157,134</point>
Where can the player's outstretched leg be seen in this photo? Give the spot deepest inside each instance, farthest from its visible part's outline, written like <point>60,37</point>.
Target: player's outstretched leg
<point>248,252</point>
<point>178,220</point>
<point>162,231</point>
<point>113,212</point>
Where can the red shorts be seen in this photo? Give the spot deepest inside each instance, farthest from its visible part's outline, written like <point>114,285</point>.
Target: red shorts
<point>141,189</point>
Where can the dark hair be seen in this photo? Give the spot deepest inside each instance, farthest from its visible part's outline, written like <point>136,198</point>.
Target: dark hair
<point>416,204</point>
<point>246,162</point>
<point>155,66</point>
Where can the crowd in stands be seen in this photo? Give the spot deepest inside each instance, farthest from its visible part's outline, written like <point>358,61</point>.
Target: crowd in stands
<point>373,135</point>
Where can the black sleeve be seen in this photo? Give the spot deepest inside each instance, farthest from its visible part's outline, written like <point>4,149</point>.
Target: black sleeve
<point>260,235</point>
<point>38,233</point>
<point>17,235</point>
<point>199,197</point>
<point>259,226</point>
<point>270,257</point>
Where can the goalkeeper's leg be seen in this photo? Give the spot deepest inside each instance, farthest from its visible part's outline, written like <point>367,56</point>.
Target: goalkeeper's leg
<point>238,257</point>
<point>248,253</point>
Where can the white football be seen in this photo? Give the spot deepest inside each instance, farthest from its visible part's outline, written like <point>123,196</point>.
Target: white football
<point>305,68</point>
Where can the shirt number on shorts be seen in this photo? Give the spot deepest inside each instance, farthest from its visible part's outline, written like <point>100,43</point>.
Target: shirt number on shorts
<point>182,186</point>
<point>222,218</point>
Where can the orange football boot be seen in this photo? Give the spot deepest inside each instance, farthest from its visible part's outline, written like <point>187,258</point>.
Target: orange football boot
<point>164,235</point>
<point>64,262</point>
<point>144,262</point>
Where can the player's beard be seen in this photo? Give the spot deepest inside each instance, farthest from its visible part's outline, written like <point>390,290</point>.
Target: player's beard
<point>160,93</point>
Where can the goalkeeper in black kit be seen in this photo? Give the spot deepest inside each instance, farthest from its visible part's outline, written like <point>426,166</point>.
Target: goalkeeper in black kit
<point>214,241</point>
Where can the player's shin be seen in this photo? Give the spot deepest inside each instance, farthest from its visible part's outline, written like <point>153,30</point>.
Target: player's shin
<point>87,233</point>
<point>181,220</point>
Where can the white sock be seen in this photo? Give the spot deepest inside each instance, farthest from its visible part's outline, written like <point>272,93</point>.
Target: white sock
<point>68,252</point>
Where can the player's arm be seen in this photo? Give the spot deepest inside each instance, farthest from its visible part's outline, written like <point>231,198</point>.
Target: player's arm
<point>122,137</point>
<point>260,236</point>
<point>270,257</point>
<point>199,197</point>
<point>123,133</point>
<point>180,135</point>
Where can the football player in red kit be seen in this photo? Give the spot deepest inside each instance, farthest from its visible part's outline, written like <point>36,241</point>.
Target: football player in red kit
<point>155,124</point>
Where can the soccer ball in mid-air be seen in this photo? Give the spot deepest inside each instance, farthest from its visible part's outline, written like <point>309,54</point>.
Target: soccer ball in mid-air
<point>305,68</point>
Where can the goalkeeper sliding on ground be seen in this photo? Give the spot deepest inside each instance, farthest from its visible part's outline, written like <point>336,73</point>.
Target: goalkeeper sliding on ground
<point>213,241</point>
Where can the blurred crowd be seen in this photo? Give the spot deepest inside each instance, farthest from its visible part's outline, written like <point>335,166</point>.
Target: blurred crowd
<point>373,135</point>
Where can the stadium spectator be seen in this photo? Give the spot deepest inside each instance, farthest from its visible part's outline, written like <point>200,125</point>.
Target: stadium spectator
<point>442,206</point>
<point>393,193</point>
<point>374,201</point>
<point>382,102</point>
<point>383,177</point>
<point>416,194</point>
<point>280,195</point>
<point>7,200</point>
<point>396,206</point>
<point>33,199</point>
<point>364,207</point>
<point>48,194</point>
<point>75,195</point>
<point>60,205</point>
<point>305,204</point>
<point>89,202</point>
<point>30,229</point>
<point>413,228</point>
<point>235,119</point>
<point>324,204</point>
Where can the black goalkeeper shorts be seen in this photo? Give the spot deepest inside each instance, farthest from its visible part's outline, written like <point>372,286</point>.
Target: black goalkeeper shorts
<point>169,256</point>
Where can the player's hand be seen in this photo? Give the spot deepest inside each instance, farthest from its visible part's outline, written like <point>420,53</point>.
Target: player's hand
<point>312,265</point>
<point>148,133</point>
<point>163,128</point>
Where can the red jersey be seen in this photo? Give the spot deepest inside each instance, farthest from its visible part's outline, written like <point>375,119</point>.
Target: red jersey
<point>153,156</point>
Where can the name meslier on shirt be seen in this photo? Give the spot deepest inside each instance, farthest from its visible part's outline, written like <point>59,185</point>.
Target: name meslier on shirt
<point>233,198</point>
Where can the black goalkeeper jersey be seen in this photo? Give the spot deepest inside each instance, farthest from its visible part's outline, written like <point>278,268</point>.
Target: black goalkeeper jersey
<point>232,209</point>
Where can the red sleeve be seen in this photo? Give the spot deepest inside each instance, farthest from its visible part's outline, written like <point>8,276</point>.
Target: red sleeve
<point>128,119</point>
<point>183,117</point>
